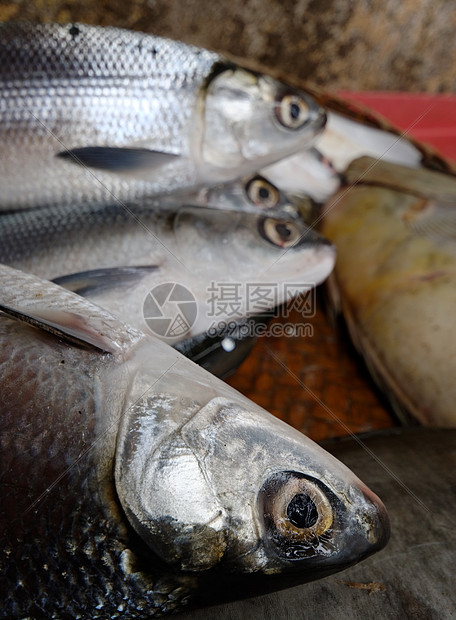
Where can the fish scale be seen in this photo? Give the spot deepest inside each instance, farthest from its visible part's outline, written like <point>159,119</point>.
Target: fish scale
<point>75,68</point>
<point>101,97</point>
<point>113,95</point>
<point>121,494</point>
<point>78,563</point>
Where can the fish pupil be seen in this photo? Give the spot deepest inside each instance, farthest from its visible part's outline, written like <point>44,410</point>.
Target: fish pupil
<point>264,193</point>
<point>302,512</point>
<point>295,111</point>
<point>283,231</point>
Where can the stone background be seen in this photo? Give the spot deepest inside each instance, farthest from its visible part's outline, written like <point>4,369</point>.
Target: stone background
<point>339,44</point>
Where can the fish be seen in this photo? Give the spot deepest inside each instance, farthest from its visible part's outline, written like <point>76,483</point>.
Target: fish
<point>132,479</point>
<point>349,134</point>
<point>221,351</point>
<point>252,194</point>
<point>306,174</point>
<point>118,256</point>
<point>421,502</point>
<point>91,113</point>
<point>395,231</point>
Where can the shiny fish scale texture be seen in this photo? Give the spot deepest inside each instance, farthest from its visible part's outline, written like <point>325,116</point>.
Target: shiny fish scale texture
<point>80,528</point>
<point>117,98</point>
<point>66,230</point>
<point>133,61</point>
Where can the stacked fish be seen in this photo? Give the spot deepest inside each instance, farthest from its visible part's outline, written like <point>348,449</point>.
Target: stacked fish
<point>133,481</point>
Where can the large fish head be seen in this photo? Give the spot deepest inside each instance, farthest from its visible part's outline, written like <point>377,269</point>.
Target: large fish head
<point>251,120</point>
<point>243,247</point>
<point>219,484</point>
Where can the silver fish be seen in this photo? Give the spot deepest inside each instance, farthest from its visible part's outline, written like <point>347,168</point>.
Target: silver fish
<point>118,255</point>
<point>222,351</point>
<point>253,194</point>
<point>132,479</point>
<point>92,113</point>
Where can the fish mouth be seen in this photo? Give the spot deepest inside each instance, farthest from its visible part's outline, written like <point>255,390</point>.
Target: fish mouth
<point>368,531</point>
<point>373,533</point>
<point>378,525</point>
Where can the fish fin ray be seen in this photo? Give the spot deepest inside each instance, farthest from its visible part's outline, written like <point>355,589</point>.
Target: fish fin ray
<point>117,159</point>
<point>100,280</point>
<point>68,326</point>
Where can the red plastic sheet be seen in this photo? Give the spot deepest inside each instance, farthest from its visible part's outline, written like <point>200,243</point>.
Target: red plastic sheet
<point>428,118</point>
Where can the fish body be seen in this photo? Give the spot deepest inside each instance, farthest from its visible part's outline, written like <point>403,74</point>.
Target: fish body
<point>91,114</point>
<point>118,255</point>
<point>395,281</point>
<point>132,479</point>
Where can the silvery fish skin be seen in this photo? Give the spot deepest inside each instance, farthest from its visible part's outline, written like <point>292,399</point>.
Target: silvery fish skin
<point>132,479</point>
<point>253,194</point>
<point>118,255</point>
<point>395,277</point>
<point>92,113</point>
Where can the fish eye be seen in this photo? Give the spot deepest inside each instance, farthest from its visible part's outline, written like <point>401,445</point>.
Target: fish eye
<point>279,232</point>
<point>262,193</point>
<point>295,508</point>
<point>292,111</point>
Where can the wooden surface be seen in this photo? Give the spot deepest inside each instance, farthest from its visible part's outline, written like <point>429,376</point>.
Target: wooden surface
<point>414,576</point>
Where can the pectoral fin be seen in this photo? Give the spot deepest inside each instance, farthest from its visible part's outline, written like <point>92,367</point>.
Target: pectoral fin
<point>101,280</point>
<point>65,325</point>
<point>52,309</point>
<point>117,159</point>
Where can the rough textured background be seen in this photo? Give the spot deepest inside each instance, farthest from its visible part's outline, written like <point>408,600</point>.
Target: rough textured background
<point>316,383</point>
<point>339,44</point>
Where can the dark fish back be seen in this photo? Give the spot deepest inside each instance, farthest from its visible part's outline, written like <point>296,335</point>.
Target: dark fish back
<point>66,549</point>
<point>30,52</point>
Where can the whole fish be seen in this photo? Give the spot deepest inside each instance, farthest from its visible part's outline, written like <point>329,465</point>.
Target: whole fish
<point>91,114</point>
<point>132,479</point>
<point>395,280</point>
<point>118,255</point>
